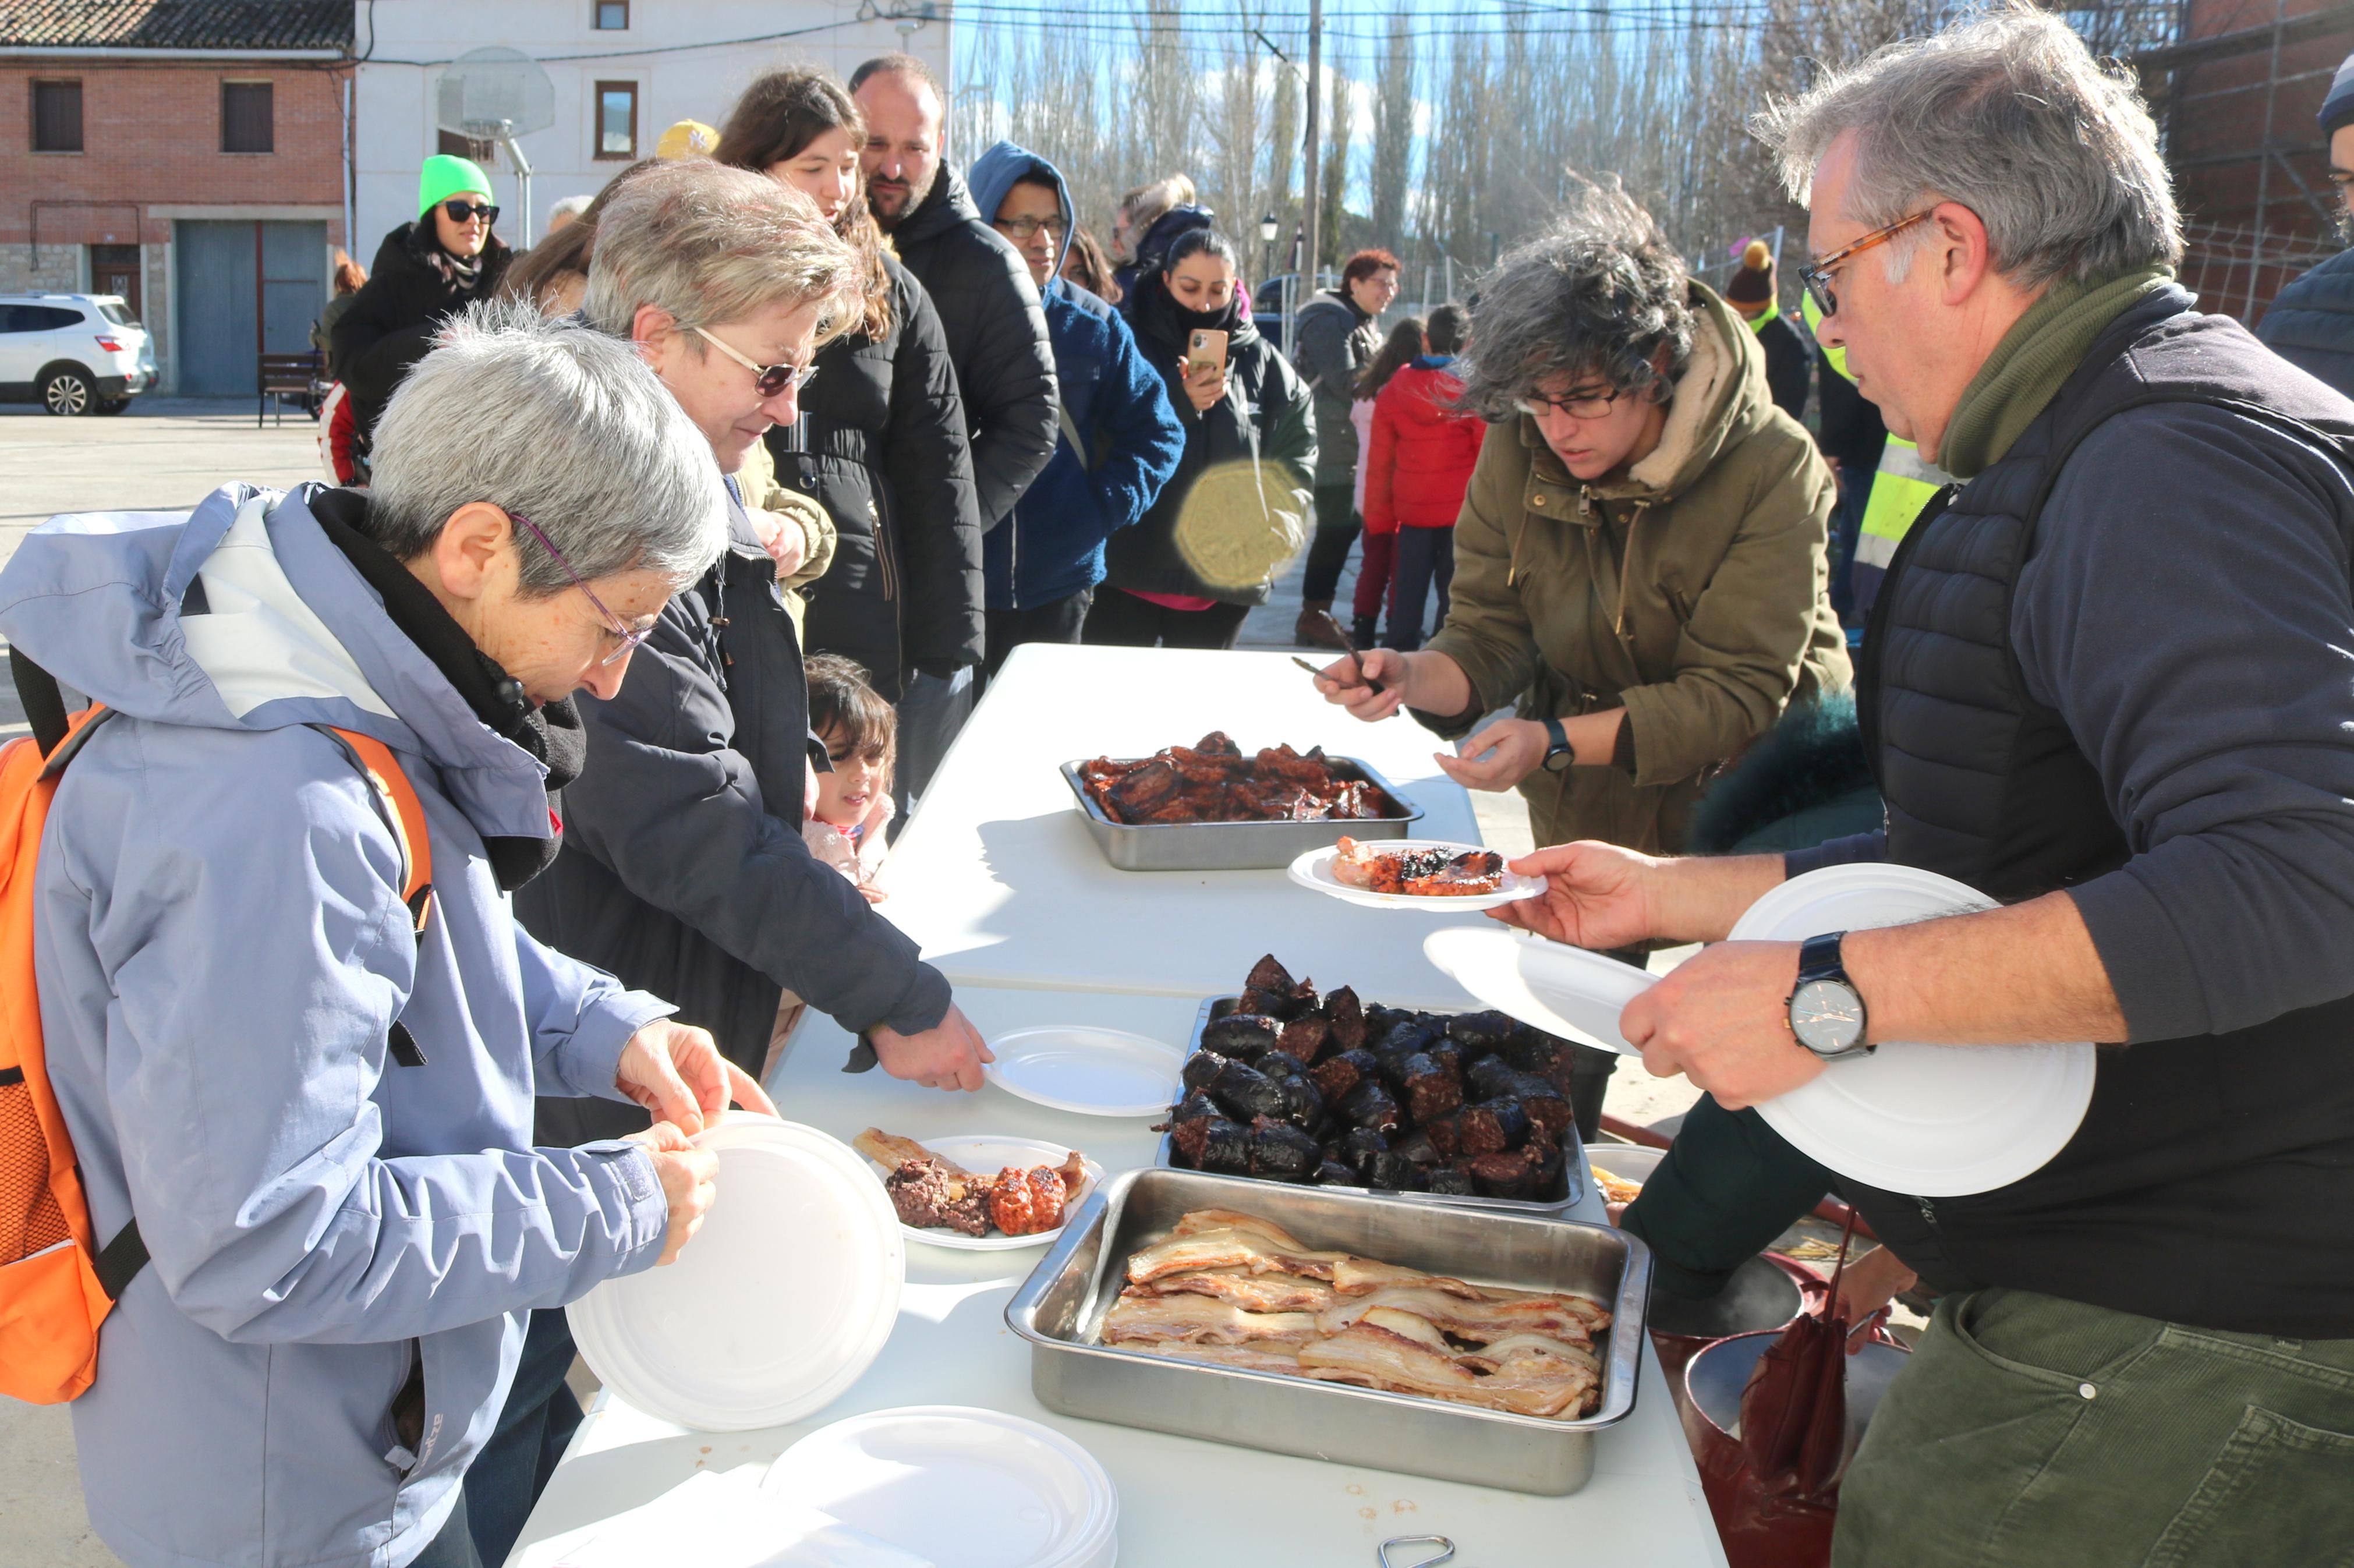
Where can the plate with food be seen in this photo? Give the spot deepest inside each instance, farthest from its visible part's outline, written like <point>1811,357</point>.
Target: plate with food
<point>1079,1067</point>
<point>1414,874</point>
<point>980,1192</point>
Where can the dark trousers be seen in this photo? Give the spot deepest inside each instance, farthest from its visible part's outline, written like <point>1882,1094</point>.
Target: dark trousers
<point>454,1547</point>
<point>1120,620</point>
<point>1009,628</point>
<point>1337,526</point>
<point>1426,557</point>
<point>1847,528</point>
<point>507,1477</point>
<point>1373,569</point>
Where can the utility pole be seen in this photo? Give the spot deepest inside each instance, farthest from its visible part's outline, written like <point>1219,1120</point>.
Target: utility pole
<point>1315,145</point>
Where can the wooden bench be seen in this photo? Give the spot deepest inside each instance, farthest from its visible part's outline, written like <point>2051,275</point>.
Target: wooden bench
<point>285,376</point>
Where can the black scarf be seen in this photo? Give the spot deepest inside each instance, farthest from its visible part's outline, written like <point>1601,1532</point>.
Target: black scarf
<point>1157,309</point>
<point>551,734</point>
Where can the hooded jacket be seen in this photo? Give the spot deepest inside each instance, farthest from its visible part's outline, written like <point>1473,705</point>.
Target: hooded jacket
<point>1693,592</point>
<point>1331,343</point>
<point>881,445</point>
<point>1241,490</point>
<point>2311,323</point>
<point>221,949</point>
<point>1420,458</point>
<point>996,336</point>
<point>1118,440</point>
<point>390,323</point>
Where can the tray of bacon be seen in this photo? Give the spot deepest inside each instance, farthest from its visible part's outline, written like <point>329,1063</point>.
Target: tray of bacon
<point>1350,1326</point>
<point>1214,807</point>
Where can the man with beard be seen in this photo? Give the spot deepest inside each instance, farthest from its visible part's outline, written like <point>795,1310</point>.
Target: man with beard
<point>2311,322</point>
<point>996,332</point>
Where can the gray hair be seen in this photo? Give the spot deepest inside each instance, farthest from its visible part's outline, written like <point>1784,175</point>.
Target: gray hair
<point>572,205</point>
<point>558,423</point>
<point>710,245</point>
<point>2011,117</point>
<point>1601,294</point>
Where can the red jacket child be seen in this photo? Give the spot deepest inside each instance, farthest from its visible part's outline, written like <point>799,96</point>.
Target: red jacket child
<point>1422,453</point>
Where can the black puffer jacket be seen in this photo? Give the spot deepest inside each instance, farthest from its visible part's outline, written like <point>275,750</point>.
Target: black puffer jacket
<point>997,338</point>
<point>390,323</point>
<point>2311,322</point>
<point>1259,448</point>
<point>881,445</point>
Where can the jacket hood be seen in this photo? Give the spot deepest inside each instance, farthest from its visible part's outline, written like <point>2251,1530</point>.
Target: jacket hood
<point>1720,398</point>
<point>243,615</point>
<point>1005,165</point>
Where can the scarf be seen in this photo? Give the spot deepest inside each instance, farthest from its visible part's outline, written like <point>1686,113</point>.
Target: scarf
<point>2031,363</point>
<point>551,734</point>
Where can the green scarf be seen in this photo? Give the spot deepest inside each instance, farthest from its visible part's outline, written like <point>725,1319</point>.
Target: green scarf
<point>2027,368</point>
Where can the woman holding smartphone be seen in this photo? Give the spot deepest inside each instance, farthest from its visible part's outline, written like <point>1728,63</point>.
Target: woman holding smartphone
<point>1237,509</point>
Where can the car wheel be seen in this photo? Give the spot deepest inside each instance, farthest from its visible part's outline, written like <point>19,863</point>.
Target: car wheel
<point>67,393</point>
<point>112,405</point>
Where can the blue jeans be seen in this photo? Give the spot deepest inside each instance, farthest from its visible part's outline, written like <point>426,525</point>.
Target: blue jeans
<point>1847,528</point>
<point>507,1477</point>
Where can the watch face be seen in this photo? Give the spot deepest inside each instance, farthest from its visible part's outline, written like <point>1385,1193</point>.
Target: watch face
<point>1826,1016</point>
<point>1558,761</point>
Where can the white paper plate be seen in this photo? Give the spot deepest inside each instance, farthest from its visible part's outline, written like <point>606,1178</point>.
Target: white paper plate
<point>1095,1072</point>
<point>989,1154</point>
<point>780,1302</point>
<point>968,1489</point>
<point>1314,870</point>
<point>1936,1120</point>
<point>1561,990</point>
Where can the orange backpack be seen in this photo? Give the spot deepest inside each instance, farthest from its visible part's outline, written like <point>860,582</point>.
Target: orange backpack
<point>57,1284</point>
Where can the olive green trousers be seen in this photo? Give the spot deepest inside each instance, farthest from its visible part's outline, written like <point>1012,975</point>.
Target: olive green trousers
<point>2030,1432</point>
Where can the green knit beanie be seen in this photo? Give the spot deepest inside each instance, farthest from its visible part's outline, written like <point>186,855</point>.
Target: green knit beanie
<point>444,176</point>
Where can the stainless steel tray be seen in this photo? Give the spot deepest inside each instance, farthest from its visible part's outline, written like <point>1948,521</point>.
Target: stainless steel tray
<point>1234,846</point>
<point>1060,1309</point>
<point>1572,1153</point>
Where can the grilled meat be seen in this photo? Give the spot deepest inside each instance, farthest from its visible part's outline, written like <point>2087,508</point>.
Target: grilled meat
<point>1214,782</point>
<point>1421,872</point>
<point>1201,1318</point>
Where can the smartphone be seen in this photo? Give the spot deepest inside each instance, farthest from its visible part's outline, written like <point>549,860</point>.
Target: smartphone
<point>1205,348</point>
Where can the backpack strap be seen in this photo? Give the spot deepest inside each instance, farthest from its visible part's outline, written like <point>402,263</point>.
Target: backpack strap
<point>407,815</point>
<point>45,705</point>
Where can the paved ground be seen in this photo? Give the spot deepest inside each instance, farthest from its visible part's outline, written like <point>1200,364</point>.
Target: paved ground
<point>166,455</point>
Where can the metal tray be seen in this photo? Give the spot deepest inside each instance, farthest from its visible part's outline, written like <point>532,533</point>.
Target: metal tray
<point>1572,1153</point>
<point>1234,846</point>
<point>1060,1309</point>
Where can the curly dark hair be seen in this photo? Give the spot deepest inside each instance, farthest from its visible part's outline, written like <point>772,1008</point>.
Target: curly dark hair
<point>1599,295</point>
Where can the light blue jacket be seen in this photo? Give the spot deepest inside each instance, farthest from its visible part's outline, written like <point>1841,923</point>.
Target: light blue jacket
<point>221,949</point>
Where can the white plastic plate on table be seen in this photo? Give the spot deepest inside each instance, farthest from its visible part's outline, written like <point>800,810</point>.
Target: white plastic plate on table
<point>1937,1120</point>
<point>965,1488</point>
<point>1561,990</point>
<point>1094,1072</point>
<point>780,1302</point>
<point>987,1154</point>
<point>1314,870</point>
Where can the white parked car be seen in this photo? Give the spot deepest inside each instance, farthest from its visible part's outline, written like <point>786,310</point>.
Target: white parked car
<point>73,353</point>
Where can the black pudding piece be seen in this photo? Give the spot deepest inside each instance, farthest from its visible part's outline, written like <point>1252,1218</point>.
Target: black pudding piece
<point>1213,1143</point>
<point>1246,1094</point>
<point>1200,1068</point>
<point>1283,1152</point>
<point>1240,1035</point>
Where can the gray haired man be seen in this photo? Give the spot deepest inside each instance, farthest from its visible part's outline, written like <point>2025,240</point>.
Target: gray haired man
<point>2106,685</point>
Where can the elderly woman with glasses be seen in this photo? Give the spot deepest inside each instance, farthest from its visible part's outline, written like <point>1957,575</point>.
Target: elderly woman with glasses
<point>1640,571</point>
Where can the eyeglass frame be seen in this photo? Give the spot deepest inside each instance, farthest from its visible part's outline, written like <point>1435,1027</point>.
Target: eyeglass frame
<point>1816,275</point>
<point>464,212</point>
<point>1570,406</point>
<point>803,375</point>
<point>1023,228</point>
<point>629,640</point>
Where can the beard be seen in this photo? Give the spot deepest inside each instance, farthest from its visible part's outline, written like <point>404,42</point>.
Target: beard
<point>2344,225</point>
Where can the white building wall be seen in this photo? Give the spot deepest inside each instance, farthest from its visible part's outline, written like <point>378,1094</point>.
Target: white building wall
<point>395,96</point>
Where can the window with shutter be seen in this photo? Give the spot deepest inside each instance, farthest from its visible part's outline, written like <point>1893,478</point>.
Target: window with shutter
<point>56,117</point>
<point>247,122</point>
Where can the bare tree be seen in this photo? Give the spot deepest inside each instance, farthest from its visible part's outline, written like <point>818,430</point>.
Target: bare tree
<point>1393,129</point>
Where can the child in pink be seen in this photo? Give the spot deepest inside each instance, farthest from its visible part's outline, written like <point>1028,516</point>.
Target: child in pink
<point>853,801</point>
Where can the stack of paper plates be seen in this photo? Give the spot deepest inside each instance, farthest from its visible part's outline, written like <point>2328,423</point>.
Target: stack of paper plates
<point>781,1301</point>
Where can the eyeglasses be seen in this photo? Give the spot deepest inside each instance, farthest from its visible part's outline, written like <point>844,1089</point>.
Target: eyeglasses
<point>1590,407</point>
<point>1817,275</point>
<point>460,211</point>
<point>1023,228</point>
<point>629,640</point>
<point>768,380</point>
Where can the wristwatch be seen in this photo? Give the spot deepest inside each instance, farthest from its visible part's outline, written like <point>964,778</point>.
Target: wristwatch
<point>1558,756</point>
<point>1826,1010</point>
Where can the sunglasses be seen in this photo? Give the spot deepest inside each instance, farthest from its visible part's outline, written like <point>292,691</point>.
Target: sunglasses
<point>461,212</point>
<point>629,639</point>
<point>768,380</point>
<point>1817,275</point>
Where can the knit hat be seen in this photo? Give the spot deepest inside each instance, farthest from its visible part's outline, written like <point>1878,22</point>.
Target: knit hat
<point>2337,108</point>
<point>1753,281</point>
<point>687,139</point>
<point>444,176</point>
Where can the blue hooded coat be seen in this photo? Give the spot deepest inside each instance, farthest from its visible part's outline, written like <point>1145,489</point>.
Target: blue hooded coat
<point>1120,439</point>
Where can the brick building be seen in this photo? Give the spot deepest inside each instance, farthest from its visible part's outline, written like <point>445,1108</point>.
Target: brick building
<point>187,155</point>
<point>2237,95</point>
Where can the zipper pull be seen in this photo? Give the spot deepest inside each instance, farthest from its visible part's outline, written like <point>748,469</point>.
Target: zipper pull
<point>1928,1211</point>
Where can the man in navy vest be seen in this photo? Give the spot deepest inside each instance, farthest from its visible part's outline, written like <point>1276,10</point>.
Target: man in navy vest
<point>2110,685</point>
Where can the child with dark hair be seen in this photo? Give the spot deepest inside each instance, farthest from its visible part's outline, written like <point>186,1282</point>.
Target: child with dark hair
<point>853,801</point>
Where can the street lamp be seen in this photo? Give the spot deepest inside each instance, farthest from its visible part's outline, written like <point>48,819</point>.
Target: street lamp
<point>1267,228</point>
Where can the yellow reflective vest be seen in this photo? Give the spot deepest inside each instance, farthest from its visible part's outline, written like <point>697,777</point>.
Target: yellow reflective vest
<point>1899,489</point>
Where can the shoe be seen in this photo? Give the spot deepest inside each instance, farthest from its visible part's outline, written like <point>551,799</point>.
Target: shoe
<point>1314,629</point>
<point>1362,632</point>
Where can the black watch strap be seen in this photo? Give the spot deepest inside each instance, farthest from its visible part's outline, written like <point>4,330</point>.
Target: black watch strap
<point>1558,756</point>
<point>1818,958</point>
